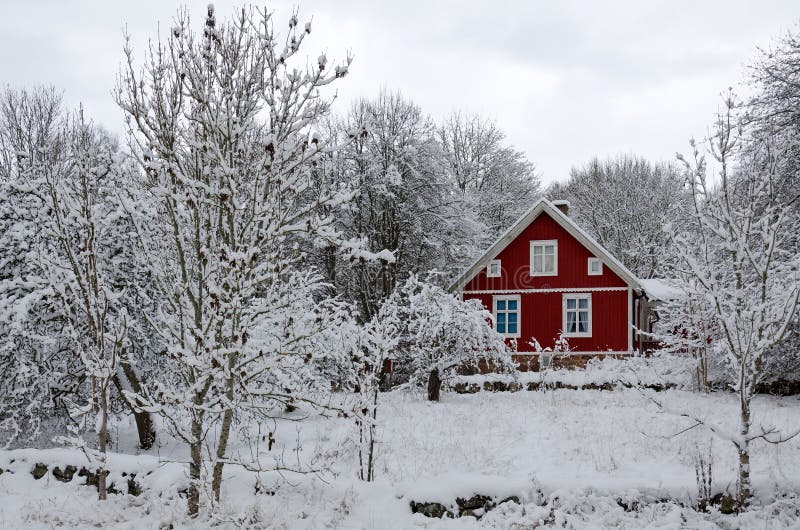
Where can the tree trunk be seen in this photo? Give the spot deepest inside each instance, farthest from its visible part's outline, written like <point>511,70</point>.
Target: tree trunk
<point>371,456</point>
<point>225,433</point>
<point>744,492</point>
<point>144,421</point>
<point>434,385</point>
<point>195,466</point>
<point>701,373</point>
<point>704,370</point>
<point>222,447</point>
<point>145,428</point>
<point>362,442</point>
<point>744,488</point>
<point>102,472</point>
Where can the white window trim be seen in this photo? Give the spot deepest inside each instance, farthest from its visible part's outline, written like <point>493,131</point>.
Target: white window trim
<point>542,243</point>
<point>489,269</point>
<point>564,298</point>
<point>519,314</point>
<point>589,267</point>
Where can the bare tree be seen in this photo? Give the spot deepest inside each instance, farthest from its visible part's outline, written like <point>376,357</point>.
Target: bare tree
<point>772,110</point>
<point>31,133</point>
<point>497,182</point>
<point>379,338</point>
<point>733,256</point>
<point>623,203</point>
<point>42,155</point>
<point>403,208</point>
<point>223,124</point>
<point>95,314</point>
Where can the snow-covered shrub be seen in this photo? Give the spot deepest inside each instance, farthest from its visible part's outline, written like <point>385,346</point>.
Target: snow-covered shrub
<point>659,371</point>
<point>439,332</point>
<point>548,355</point>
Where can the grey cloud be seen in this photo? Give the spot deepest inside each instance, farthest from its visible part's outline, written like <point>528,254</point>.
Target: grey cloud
<point>566,80</point>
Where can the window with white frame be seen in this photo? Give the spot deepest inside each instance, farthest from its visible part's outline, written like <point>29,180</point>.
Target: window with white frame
<point>493,269</point>
<point>595,267</point>
<point>577,315</point>
<point>544,258</point>
<point>507,315</point>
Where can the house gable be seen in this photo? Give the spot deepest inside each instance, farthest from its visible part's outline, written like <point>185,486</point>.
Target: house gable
<point>545,222</point>
<point>515,259</point>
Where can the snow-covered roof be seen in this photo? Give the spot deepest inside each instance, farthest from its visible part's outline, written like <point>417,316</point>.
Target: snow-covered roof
<point>567,224</point>
<point>661,289</point>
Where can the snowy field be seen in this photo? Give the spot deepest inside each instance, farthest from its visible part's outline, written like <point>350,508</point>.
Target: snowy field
<point>568,455</point>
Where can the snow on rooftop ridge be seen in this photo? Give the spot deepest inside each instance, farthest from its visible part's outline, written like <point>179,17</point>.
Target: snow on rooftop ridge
<point>493,250</point>
<point>663,289</point>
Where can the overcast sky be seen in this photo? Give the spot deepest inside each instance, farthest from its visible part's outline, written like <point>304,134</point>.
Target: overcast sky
<point>564,80</point>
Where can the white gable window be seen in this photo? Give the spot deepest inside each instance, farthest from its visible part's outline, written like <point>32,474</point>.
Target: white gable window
<point>493,269</point>
<point>595,267</point>
<point>507,315</point>
<point>577,315</point>
<point>544,257</point>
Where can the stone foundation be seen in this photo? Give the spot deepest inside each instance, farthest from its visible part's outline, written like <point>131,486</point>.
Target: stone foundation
<point>475,506</point>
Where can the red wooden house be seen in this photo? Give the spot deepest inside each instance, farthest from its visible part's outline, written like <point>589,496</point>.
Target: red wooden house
<point>545,277</point>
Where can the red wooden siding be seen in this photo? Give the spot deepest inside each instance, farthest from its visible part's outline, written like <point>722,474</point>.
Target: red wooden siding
<point>541,319</point>
<point>541,312</point>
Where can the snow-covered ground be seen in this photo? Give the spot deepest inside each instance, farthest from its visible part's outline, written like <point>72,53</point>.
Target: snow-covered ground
<point>568,455</point>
